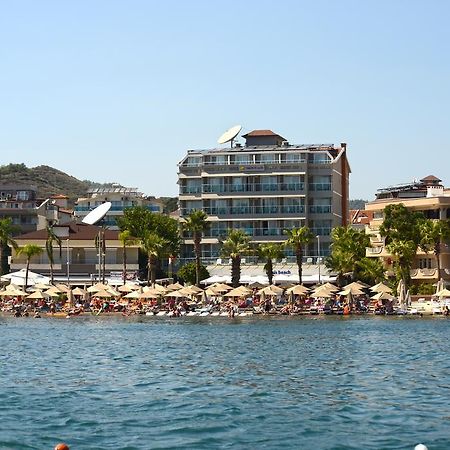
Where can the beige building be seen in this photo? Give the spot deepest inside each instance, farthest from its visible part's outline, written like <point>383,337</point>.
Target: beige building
<point>427,196</point>
<point>79,259</point>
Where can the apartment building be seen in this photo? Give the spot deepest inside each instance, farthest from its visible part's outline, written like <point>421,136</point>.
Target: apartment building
<point>264,187</point>
<point>428,196</point>
<point>120,198</point>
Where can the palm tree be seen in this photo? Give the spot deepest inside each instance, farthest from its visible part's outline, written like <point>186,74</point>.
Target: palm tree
<point>7,231</point>
<point>126,238</point>
<point>154,246</point>
<point>196,223</point>
<point>297,238</point>
<point>51,239</point>
<point>371,270</point>
<point>235,245</point>
<point>29,250</point>
<point>433,233</point>
<point>404,252</point>
<point>269,252</point>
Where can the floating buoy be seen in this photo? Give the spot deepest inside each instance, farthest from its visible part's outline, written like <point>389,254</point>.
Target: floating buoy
<point>346,310</point>
<point>61,446</point>
<point>420,447</point>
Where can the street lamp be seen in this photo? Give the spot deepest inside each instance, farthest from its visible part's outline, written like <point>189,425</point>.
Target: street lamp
<point>318,254</point>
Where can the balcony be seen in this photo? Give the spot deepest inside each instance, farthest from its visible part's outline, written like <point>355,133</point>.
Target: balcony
<point>248,210</point>
<point>190,189</point>
<point>319,186</point>
<point>320,209</point>
<point>257,187</point>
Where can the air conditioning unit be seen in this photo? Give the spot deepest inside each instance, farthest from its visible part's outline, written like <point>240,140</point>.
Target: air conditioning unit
<point>285,143</point>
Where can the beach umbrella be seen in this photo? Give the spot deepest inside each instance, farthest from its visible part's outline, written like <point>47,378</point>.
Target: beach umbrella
<point>175,294</point>
<point>298,289</point>
<point>174,286</point>
<point>42,286</point>
<point>238,292</point>
<point>443,293</point>
<point>51,293</point>
<point>125,288</point>
<point>272,290</point>
<point>112,291</point>
<point>37,294</point>
<point>262,296</point>
<point>221,287</point>
<point>79,291</point>
<point>356,285</point>
<point>204,299</point>
<point>159,288</point>
<point>150,294</point>
<point>256,284</point>
<point>440,286</point>
<point>103,294</point>
<point>381,287</point>
<point>132,294</point>
<point>61,287</point>
<point>353,290</point>
<point>382,296</point>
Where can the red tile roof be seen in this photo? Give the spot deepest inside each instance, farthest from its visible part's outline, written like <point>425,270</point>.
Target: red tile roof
<point>59,196</point>
<point>430,178</point>
<point>261,133</point>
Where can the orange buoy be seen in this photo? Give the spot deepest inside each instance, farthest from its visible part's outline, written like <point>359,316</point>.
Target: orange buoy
<point>61,446</point>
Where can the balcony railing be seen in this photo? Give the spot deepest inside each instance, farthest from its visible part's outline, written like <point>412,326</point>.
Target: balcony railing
<point>320,209</point>
<point>321,231</point>
<point>257,187</point>
<point>320,186</point>
<point>243,210</point>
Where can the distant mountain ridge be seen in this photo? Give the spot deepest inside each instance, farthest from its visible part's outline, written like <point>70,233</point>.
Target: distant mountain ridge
<point>48,180</point>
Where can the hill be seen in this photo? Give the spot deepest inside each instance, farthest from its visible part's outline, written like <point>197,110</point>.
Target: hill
<point>48,181</point>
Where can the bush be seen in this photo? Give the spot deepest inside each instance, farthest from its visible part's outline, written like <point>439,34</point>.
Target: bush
<point>187,273</point>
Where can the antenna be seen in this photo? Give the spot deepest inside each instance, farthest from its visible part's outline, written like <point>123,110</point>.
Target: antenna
<point>97,214</point>
<point>230,135</point>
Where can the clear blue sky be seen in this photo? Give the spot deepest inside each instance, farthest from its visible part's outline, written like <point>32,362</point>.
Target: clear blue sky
<point>119,90</point>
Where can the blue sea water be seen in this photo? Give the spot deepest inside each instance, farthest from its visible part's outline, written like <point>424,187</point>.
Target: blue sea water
<point>128,383</point>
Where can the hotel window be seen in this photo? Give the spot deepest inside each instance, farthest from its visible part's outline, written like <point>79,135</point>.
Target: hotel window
<point>193,161</point>
<point>294,157</point>
<point>22,195</point>
<point>425,263</point>
<point>243,159</point>
<point>268,158</point>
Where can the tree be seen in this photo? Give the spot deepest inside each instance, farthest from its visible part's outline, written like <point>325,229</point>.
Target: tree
<point>29,250</point>
<point>370,270</point>
<point>155,247</point>
<point>402,230</point>
<point>51,239</point>
<point>188,273</point>
<point>433,233</point>
<point>297,238</point>
<point>196,223</point>
<point>269,252</point>
<point>7,231</point>
<point>127,239</point>
<point>348,249</point>
<point>235,245</point>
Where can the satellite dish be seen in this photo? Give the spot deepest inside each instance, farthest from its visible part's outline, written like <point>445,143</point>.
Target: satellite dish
<point>97,214</point>
<point>229,135</point>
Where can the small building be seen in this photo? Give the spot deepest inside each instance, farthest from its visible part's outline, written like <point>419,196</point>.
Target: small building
<point>120,198</point>
<point>427,196</point>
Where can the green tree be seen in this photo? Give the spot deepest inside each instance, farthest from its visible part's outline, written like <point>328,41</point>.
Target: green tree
<point>269,252</point>
<point>138,220</point>
<point>188,273</point>
<point>402,230</point>
<point>348,249</point>
<point>29,250</point>
<point>196,223</point>
<point>7,231</point>
<point>370,271</point>
<point>235,245</point>
<point>155,247</point>
<point>52,238</point>
<point>433,233</point>
<point>127,239</point>
<point>297,238</point>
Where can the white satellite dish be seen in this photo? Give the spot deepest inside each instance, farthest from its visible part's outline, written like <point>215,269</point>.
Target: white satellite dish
<point>97,214</point>
<point>229,135</point>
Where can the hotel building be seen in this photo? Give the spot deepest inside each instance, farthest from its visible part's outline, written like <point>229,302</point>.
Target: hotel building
<point>265,187</point>
<point>120,198</point>
<point>427,196</point>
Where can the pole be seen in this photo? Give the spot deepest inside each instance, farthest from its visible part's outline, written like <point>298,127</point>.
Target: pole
<point>99,244</point>
<point>68,263</point>
<point>318,254</point>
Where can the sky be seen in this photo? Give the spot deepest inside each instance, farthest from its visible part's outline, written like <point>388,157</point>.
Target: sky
<point>118,91</point>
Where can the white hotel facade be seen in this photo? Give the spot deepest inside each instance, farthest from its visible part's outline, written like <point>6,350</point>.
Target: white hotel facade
<point>264,188</point>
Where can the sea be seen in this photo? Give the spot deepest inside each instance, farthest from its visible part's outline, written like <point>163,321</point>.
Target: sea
<point>133,383</point>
